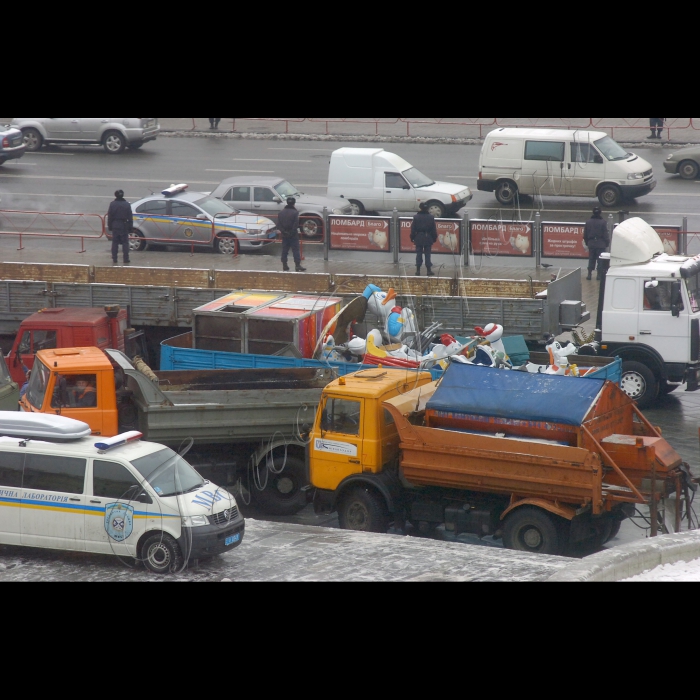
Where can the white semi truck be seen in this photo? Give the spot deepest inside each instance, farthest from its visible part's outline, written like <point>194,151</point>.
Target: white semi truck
<point>649,314</point>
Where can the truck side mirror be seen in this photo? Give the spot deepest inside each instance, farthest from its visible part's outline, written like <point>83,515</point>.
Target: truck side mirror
<point>676,299</point>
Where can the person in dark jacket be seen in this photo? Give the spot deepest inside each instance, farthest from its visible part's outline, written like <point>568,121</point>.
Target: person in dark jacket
<point>288,223</point>
<point>597,239</point>
<point>424,236</point>
<point>120,222</point>
<point>657,126</point>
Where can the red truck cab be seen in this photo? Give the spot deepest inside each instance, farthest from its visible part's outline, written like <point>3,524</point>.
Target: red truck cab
<point>51,329</point>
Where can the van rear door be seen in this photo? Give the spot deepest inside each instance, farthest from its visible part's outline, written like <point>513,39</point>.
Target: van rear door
<point>545,170</point>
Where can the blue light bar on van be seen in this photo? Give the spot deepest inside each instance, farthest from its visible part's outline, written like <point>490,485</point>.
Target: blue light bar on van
<point>118,441</point>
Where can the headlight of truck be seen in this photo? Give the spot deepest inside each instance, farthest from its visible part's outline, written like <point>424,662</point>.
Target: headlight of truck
<point>195,521</point>
<point>635,176</point>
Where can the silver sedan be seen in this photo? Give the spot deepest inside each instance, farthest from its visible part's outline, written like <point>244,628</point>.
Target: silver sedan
<point>178,217</point>
<point>685,163</point>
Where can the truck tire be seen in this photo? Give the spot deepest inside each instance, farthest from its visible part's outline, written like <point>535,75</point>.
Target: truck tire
<point>665,388</point>
<point>284,494</point>
<point>609,195</point>
<point>363,510</point>
<point>161,554</point>
<point>358,208</point>
<point>639,383</point>
<point>615,530</point>
<point>532,530</point>
<point>506,192</point>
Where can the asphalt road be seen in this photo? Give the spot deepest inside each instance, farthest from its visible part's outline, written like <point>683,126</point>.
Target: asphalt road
<point>82,179</point>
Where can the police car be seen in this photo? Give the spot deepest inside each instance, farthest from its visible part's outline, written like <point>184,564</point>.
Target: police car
<point>179,217</point>
<point>62,489</point>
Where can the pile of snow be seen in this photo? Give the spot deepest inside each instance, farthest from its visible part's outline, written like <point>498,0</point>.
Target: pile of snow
<point>682,572</point>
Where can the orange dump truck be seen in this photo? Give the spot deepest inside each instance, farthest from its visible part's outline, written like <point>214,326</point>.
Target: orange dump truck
<point>543,462</point>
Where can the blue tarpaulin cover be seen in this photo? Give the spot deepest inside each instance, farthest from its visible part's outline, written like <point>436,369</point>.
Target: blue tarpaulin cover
<point>495,393</point>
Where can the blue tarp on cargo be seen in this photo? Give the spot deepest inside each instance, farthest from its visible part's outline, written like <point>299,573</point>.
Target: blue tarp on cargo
<point>515,395</point>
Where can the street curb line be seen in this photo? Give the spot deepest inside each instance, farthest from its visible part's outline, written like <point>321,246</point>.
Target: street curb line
<point>632,560</point>
<point>376,139</point>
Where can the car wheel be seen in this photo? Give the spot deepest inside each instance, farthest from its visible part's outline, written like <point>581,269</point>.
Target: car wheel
<point>312,228</point>
<point>506,192</point>
<point>226,244</point>
<point>137,242</point>
<point>358,209</point>
<point>609,195</point>
<point>437,209</point>
<point>689,170</point>
<point>639,383</point>
<point>33,140</point>
<point>113,143</point>
<point>161,554</point>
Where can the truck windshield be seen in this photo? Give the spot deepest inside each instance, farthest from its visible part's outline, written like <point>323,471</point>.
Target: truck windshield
<point>611,149</point>
<point>168,473</point>
<point>417,179</point>
<point>693,284</point>
<point>38,384</point>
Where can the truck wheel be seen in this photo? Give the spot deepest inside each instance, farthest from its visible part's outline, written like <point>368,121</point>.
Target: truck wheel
<point>665,388</point>
<point>609,195</point>
<point>437,209</point>
<point>639,383</point>
<point>161,554</point>
<point>614,530</point>
<point>283,495</point>
<point>363,511</point>
<point>689,170</point>
<point>113,142</point>
<point>532,530</point>
<point>33,140</point>
<point>358,208</point>
<point>506,192</point>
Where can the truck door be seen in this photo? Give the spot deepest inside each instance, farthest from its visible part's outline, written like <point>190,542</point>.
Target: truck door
<point>115,520</point>
<point>658,327</point>
<point>398,193</point>
<point>621,311</point>
<point>79,396</point>
<point>545,169</point>
<point>53,502</point>
<point>337,449</point>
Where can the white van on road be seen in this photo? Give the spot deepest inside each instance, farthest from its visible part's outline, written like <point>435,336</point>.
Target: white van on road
<point>372,179</point>
<point>552,162</point>
<point>62,489</point>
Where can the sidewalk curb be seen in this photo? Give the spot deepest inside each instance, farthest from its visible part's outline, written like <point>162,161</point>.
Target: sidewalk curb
<point>632,560</point>
<point>445,140</point>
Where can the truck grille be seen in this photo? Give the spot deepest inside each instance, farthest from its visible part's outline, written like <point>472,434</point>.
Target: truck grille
<point>225,517</point>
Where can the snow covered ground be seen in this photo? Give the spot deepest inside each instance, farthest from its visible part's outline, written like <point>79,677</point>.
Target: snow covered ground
<point>682,572</point>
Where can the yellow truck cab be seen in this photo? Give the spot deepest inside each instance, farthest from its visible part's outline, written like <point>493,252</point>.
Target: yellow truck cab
<point>75,383</point>
<point>355,441</point>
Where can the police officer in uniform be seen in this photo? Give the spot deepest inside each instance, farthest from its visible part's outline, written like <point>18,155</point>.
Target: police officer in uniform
<point>288,223</point>
<point>597,239</point>
<point>120,221</point>
<point>424,235</point>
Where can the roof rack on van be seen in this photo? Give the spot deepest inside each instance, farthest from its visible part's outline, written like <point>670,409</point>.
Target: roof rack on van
<point>41,426</point>
<point>117,441</point>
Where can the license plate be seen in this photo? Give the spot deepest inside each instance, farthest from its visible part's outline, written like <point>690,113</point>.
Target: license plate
<point>233,540</point>
<point>17,142</point>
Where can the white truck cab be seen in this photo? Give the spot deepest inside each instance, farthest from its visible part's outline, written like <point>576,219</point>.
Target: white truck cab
<point>651,313</point>
<point>62,489</point>
<point>559,163</point>
<point>373,179</point>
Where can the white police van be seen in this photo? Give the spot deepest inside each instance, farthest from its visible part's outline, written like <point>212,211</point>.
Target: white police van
<point>62,489</point>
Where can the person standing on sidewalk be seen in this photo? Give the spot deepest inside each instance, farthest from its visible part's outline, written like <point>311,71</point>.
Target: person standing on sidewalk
<point>657,127</point>
<point>424,236</point>
<point>288,223</point>
<point>597,239</point>
<point>120,222</point>
<point>214,122</point>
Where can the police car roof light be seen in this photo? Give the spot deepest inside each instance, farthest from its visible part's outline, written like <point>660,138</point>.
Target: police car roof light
<point>40,426</point>
<point>175,189</point>
<point>117,441</point>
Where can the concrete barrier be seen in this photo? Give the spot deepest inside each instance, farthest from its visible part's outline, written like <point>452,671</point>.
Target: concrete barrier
<point>632,560</point>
